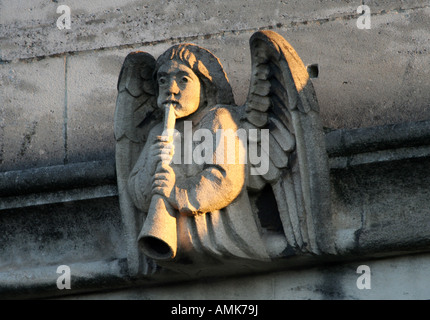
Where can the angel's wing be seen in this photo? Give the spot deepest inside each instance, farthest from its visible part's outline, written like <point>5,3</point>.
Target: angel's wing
<point>135,115</point>
<point>282,99</point>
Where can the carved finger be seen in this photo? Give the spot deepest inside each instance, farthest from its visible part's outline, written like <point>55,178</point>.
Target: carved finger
<point>159,183</point>
<point>161,145</point>
<point>160,191</point>
<point>163,154</point>
<point>159,168</point>
<point>161,176</point>
<point>164,139</point>
<point>163,158</point>
<point>167,150</point>
<point>163,167</point>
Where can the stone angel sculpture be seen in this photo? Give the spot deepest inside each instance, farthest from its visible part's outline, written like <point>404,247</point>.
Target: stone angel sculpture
<point>186,203</point>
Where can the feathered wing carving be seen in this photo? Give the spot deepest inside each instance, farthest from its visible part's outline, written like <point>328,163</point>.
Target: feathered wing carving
<point>281,98</point>
<point>135,115</point>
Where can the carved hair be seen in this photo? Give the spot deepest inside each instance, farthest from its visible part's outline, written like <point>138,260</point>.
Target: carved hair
<point>207,68</point>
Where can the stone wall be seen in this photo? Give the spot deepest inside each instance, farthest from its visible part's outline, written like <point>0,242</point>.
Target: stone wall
<point>58,199</point>
<point>390,279</point>
<point>59,86</point>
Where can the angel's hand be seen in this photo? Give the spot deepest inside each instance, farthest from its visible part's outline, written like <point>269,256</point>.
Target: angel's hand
<point>164,181</point>
<point>161,152</point>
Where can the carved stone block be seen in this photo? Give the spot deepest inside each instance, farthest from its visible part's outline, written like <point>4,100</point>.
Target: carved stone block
<point>205,183</point>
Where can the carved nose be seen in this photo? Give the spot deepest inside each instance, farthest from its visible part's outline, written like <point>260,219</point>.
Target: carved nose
<point>173,87</point>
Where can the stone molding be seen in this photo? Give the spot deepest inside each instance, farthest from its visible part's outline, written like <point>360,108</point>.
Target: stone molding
<point>367,233</point>
<point>345,148</point>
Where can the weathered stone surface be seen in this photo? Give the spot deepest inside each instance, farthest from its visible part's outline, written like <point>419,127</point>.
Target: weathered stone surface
<point>366,77</point>
<point>57,184</point>
<point>91,91</point>
<point>380,77</point>
<point>199,210</point>
<point>367,140</point>
<point>31,114</point>
<point>401,278</point>
<point>60,234</point>
<point>375,206</point>
<point>109,23</point>
<point>378,210</point>
<point>387,5</point>
<point>369,77</point>
<point>29,283</point>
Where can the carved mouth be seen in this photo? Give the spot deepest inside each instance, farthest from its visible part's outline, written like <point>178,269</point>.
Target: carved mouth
<point>171,102</point>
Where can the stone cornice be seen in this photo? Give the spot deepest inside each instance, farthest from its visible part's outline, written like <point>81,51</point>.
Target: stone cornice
<point>379,181</point>
<point>97,179</point>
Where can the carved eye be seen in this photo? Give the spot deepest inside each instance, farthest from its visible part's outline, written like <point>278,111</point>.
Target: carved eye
<point>184,79</point>
<point>162,81</point>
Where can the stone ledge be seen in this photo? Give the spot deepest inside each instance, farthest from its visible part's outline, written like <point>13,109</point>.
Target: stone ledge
<point>346,142</point>
<point>97,179</point>
<point>353,147</point>
<point>55,184</point>
<point>404,277</point>
<point>61,196</point>
<point>380,209</point>
<point>101,279</point>
<point>104,25</point>
<point>54,178</point>
<point>41,282</point>
<point>34,34</point>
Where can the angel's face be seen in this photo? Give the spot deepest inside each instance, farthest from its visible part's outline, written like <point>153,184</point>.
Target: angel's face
<point>179,85</point>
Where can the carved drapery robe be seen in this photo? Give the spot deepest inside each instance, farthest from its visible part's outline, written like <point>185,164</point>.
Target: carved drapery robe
<point>214,215</point>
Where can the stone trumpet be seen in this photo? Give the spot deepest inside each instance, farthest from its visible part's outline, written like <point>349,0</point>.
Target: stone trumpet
<point>158,237</point>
